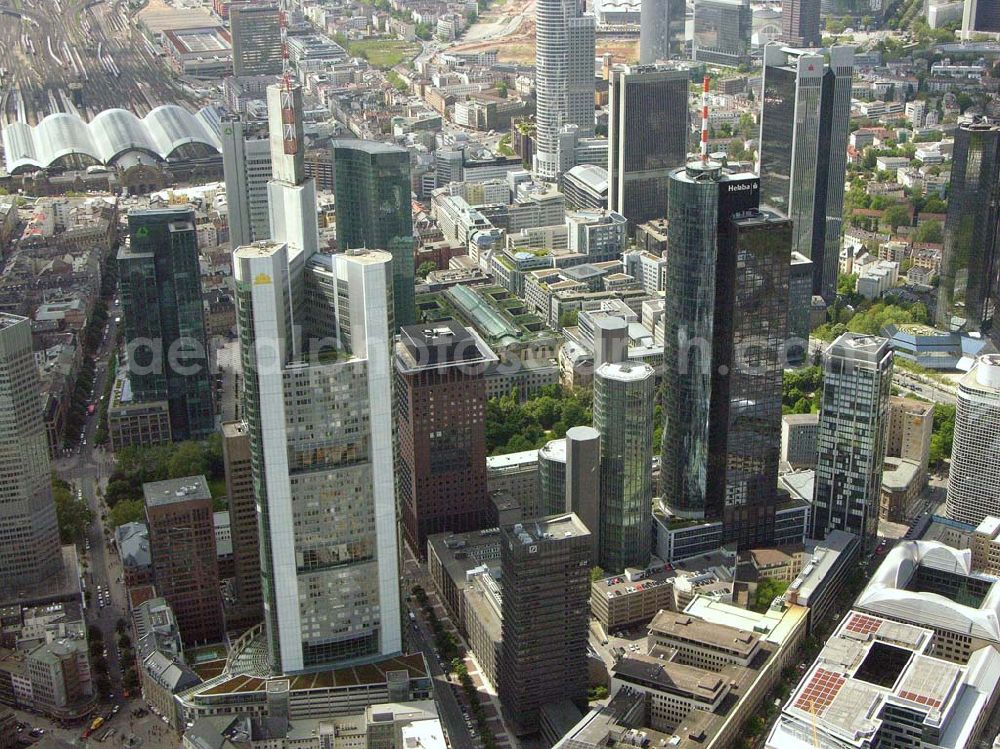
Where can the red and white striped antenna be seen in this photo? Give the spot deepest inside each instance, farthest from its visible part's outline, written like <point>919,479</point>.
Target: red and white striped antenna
<point>283,22</point>
<point>704,121</point>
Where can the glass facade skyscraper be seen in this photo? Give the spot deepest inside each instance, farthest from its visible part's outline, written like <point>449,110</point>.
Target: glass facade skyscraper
<point>661,35</point>
<point>726,325</point>
<point>722,31</point>
<point>623,397</point>
<point>315,341</point>
<point>748,344</point>
<point>164,318</point>
<point>564,78</point>
<point>805,118</point>
<point>30,553</point>
<point>372,192</point>
<point>975,472</point>
<point>969,290</point>
<point>647,137</point>
<point>853,421</point>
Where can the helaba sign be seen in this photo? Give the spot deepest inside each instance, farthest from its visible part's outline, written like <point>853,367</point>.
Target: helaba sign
<point>742,186</point>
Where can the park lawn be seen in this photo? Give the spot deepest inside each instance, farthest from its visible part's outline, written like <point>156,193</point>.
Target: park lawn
<point>383,53</point>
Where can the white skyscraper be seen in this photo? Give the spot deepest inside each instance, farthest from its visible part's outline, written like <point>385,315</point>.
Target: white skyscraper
<point>974,479</point>
<point>318,409</point>
<point>291,197</point>
<point>564,78</point>
<point>316,336</point>
<point>246,163</point>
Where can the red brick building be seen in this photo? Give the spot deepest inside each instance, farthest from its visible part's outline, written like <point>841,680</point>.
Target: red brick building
<point>182,544</point>
<point>441,420</point>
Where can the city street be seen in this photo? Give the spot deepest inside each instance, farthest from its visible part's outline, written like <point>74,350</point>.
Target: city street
<point>450,698</point>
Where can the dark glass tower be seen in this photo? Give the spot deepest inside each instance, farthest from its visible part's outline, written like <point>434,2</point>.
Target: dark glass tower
<point>661,35</point>
<point>164,318</point>
<point>647,137</point>
<point>726,324</point>
<point>800,23</point>
<point>805,118</point>
<point>256,32</point>
<point>969,288</point>
<point>372,193</point>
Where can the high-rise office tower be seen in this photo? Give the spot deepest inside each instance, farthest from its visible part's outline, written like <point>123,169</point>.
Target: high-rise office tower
<point>800,23</point>
<point>237,461</point>
<point>564,79</point>
<point>256,33</point>
<point>164,319</point>
<point>291,196</point>
<point>805,118</point>
<point>647,137</point>
<point>853,421</point>
<point>980,16</point>
<point>583,480</point>
<point>661,33</point>
<point>441,424</point>
<point>800,294</point>
<point>725,329</point>
<point>30,552</point>
<point>315,339</point>
<point>722,31</point>
<point>545,588</point>
<point>372,190</point>
<point>246,165</point>
<point>624,394</point>
<point>969,291</point>
<point>185,563</point>
<point>974,479</point>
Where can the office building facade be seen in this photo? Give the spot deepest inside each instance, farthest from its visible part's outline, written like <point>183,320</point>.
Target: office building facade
<point>647,137</point>
<point>257,44</point>
<point>323,464</point>
<point>246,165</point>
<point>800,23</point>
<point>237,461</point>
<point>726,325</point>
<point>564,79</point>
<point>661,33</point>
<point>372,190</point>
<point>441,427</point>
<point>853,422</point>
<point>722,31</point>
<point>164,318</point>
<point>805,119</point>
<point>968,291</point>
<point>545,588</point>
<point>181,524</point>
<point>974,478</point>
<point>315,339</point>
<point>30,553</point>
<point>623,415</point>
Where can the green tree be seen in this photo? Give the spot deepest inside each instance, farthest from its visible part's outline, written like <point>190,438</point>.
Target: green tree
<point>426,267</point>
<point>189,459</point>
<point>767,591</point>
<point>929,231</point>
<point>502,89</point>
<point>127,511</point>
<point>72,513</point>
<point>596,573</point>
<point>943,434</point>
